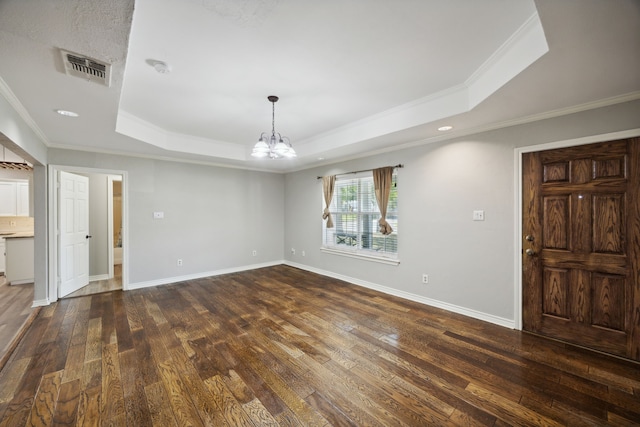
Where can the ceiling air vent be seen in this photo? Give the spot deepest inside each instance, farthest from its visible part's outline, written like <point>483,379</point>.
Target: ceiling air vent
<point>86,68</point>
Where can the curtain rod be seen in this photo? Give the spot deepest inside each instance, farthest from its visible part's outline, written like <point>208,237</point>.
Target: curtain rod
<point>365,170</point>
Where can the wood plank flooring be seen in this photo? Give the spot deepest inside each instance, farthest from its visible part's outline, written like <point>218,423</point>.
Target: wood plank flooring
<point>99,286</point>
<point>15,313</point>
<point>279,346</point>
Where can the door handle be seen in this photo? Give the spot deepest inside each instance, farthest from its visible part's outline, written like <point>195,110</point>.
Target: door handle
<point>530,252</point>
<point>88,237</point>
<point>528,238</point>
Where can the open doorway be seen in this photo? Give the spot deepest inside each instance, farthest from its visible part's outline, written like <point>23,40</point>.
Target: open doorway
<point>99,236</point>
<point>106,232</point>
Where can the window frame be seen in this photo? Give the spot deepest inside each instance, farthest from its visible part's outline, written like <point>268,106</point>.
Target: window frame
<point>355,249</point>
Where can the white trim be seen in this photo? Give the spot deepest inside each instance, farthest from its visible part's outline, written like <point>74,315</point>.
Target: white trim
<point>52,220</point>
<point>101,150</point>
<point>110,260</point>
<point>20,282</point>
<point>631,133</point>
<point>507,323</point>
<point>98,277</point>
<point>361,255</point>
<point>456,134</point>
<point>176,279</point>
<point>40,303</point>
<point>523,48</point>
<point>13,100</point>
<point>134,127</point>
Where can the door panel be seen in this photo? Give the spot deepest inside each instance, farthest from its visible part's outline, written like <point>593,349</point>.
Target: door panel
<point>581,220</point>
<point>74,232</point>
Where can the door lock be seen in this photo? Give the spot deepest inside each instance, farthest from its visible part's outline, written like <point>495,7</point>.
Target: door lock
<point>528,238</point>
<point>530,252</point>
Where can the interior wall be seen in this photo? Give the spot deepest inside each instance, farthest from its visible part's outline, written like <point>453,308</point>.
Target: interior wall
<point>214,218</point>
<point>16,135</point>
<point>470,263</point>
<point>98,225</point>
<point>117,213</point>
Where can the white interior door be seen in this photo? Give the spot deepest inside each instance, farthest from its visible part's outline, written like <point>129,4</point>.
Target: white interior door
<point>73,217</point>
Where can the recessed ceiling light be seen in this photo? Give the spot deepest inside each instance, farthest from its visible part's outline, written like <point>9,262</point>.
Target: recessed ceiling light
<point>445,128</point>
<point>67,113</point>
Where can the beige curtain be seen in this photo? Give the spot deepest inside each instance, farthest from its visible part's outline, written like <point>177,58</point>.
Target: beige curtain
<point>328,184</point>
<point>382,179</point>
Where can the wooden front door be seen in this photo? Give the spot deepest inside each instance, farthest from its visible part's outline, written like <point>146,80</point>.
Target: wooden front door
<point>581,245</point>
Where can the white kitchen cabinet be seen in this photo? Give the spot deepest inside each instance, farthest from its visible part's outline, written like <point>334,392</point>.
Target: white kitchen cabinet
<point>8,198</point>
<point>22,202</point>
<point>19,260</point>
<point>14,198</point>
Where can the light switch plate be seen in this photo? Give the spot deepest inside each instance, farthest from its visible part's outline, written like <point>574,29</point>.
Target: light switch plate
<point>158,215</point>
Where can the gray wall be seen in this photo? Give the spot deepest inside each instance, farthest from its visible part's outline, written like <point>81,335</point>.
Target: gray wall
<point>470,264</point>
<point>98,224</point>
<point>213,217</point>
<point>16,135</point>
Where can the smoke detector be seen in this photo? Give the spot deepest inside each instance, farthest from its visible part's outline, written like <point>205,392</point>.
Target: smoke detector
<point>87,68</point>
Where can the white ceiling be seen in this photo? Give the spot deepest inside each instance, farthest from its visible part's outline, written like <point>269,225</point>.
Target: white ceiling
<point>353,77</point>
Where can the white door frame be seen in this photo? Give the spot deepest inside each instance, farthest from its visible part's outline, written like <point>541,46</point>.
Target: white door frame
<point>52,218</point>
<point>632,133</point>
<point>110,180</point>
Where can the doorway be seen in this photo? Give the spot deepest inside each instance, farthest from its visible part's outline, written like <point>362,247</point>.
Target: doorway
<point>106,230</point>
<point>580,258</point>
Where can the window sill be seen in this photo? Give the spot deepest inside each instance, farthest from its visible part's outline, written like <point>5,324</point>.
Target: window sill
<point>359,255</point>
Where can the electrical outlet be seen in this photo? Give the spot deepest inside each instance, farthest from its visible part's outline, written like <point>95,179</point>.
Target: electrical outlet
<point>293,251</point>
<point>13,223</point>
<point>158,215</point>
<point>478,215</point>
<point>254,253</point>
<point>425,278</point>
<point>179,262</point>
<point>303,254</point>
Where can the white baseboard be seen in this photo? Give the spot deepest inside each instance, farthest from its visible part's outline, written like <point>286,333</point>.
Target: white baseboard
<point>40,303</point>
<point>169,280</point>
<point>501,321</point>
<point>20,282</point>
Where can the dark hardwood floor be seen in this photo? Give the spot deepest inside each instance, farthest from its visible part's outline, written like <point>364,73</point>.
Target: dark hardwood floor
<point>15,314</point>
<point>99,286</point>
<point>279,346</point>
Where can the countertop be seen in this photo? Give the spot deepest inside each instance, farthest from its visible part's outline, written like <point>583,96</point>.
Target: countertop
<point>18,235</point>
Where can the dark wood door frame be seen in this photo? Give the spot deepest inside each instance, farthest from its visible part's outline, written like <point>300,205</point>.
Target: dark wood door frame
<point>519,152</point>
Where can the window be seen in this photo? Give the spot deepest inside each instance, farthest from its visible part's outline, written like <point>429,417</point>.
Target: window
<point>355,216</point>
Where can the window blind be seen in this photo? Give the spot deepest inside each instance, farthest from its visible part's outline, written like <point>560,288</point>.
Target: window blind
<point>355,216</point>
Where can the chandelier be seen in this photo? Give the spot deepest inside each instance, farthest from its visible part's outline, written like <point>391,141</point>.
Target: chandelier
<point>274,146</point>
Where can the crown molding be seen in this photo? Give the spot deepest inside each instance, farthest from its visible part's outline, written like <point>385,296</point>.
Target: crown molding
<point>15,103</point>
